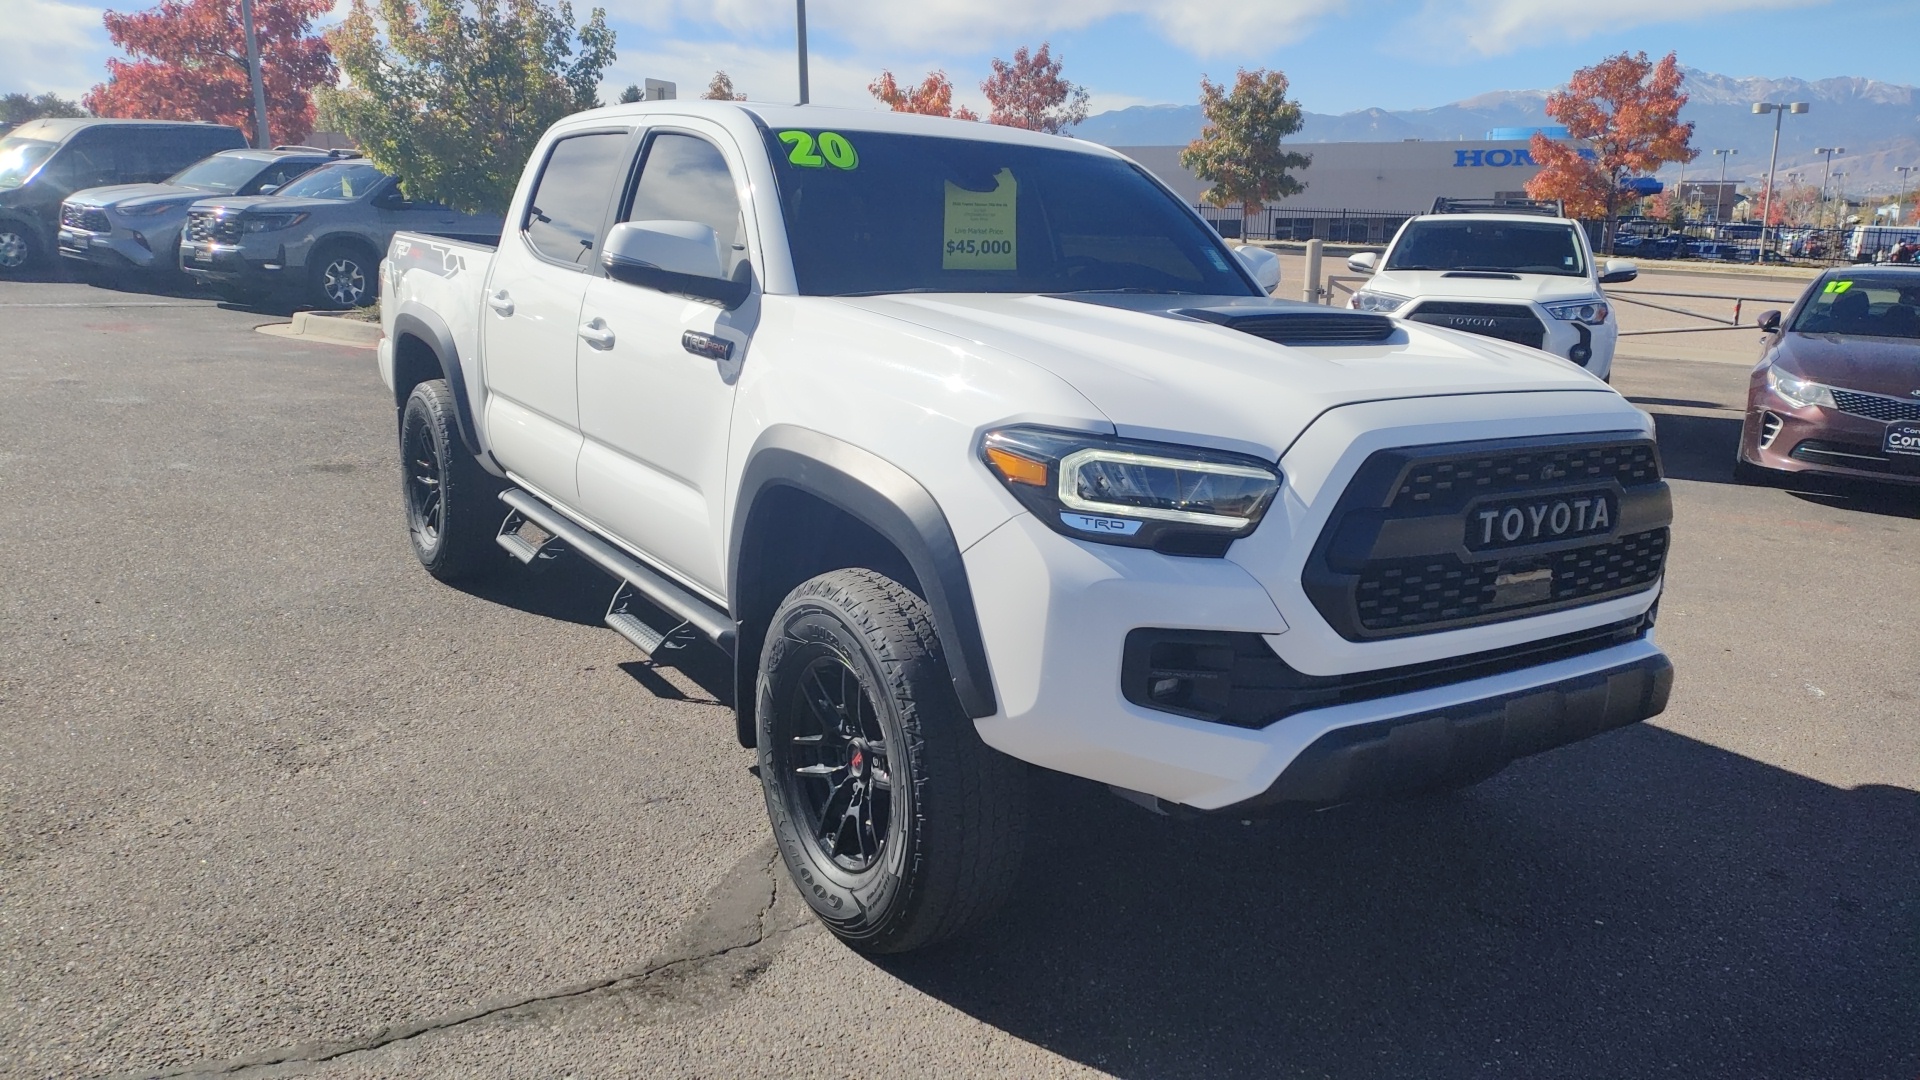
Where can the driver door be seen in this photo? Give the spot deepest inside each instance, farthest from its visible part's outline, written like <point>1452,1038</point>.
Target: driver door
<point>654,411</point>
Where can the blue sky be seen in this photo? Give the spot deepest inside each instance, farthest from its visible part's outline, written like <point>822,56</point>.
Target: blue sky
<point>1340,54</point>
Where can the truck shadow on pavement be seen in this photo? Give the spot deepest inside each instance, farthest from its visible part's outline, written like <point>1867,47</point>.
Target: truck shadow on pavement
<point>1640,904</point>
<point>1701,448</point>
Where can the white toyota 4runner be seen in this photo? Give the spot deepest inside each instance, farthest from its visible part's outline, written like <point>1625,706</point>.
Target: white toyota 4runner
<point>977,449</point>
<point>1527,277</point>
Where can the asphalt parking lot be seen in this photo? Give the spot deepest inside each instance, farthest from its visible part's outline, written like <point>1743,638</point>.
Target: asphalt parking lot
<point>276,803</point>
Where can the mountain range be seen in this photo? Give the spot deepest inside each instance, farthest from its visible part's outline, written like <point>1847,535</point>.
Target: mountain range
<point>1878,123</point>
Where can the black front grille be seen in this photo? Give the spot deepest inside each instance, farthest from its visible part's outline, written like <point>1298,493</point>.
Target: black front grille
<point>1452,481</point>
<point>1508,322</point>
<point>88,218</point>
<point>1875,406</point>
<point>1447,590</point>
<point>1394,558</point>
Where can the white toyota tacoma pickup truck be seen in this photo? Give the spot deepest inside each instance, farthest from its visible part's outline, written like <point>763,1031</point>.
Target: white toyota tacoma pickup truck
<point>1494,269</point>
<point>977,449</point>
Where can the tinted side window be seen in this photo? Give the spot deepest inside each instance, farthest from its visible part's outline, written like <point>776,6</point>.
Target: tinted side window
<point>88,160</point>
<point>277,174</point>
<point>570,198</point>
<point>684,178</point>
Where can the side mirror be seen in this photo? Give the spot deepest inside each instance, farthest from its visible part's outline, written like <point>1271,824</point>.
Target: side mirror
<point>267,189</point>
<point>672,256</point>
<point>1618,271</point>
<point>1363,262</point>
<point>1264,265</point>
<point>1770,322</point>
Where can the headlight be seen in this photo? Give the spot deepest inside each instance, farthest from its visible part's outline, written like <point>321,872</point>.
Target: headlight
<point>1798,390</point>
<point>270,222</point>
<point>1175,499</point>
<point>1372,300</point>
<point>149,210</point>
<point>1588,312</point>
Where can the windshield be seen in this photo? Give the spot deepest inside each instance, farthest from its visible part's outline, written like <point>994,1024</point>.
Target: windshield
<point>18,159</point>
<point>219,174</point>
<point>341,182</point>
<point>869,213</point>
<point>1864,305</point>
<point>1510,247</point>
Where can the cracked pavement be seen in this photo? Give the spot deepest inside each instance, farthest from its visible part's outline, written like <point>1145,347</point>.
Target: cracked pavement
<point>274,803</point>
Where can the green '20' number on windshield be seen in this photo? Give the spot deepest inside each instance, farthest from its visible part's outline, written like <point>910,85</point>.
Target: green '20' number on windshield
<point>833,149</point>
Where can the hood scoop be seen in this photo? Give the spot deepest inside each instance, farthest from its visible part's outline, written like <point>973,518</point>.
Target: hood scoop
<point>1483,275</point>
<point>1307,326</point>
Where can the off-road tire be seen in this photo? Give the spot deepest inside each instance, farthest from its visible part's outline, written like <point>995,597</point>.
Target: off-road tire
<point>956,809</point>
<point>452,504</point>
<point>334,269</point>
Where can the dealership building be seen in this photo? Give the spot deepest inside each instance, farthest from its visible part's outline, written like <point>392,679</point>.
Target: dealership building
<point>1360,192</point>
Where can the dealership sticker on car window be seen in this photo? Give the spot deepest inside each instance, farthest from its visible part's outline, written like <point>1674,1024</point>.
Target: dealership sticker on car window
<point>811,151</point>
<point>1837,286</point>
<point>980,230</point>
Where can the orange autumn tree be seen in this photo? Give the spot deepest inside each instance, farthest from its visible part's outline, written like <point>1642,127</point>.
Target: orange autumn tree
<point>1029,93</point>
<point>187,60</point>
<point>1623,115</point>
<point>933,97</point>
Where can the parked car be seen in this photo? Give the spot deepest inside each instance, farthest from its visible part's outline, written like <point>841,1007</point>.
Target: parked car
<point>137,226</point>
<point>1520,276</point>
<point>976,447</point>
<point>318,240</point>
<point>1837,389</point>
<point>44,161</point>
<point>1871,243</point>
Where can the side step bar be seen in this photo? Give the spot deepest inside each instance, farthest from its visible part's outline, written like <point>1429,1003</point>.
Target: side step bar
<point>694,612</point>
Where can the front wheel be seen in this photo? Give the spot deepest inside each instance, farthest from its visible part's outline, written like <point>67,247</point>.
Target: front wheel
<point>900,827</point>
<point>18,251</point>
<point>452,503</point>
<point>342,277</point>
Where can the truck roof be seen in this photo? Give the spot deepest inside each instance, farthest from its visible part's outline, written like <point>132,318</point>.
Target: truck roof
<point>863,120</point>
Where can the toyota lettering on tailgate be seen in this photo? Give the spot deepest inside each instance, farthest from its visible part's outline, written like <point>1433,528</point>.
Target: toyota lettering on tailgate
<point>1519,522</point>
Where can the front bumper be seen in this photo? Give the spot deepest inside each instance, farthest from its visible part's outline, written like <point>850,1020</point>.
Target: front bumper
<point>117,249</point>
<point>214,262</point>
<point>1592,347</point>
<point>1780,435</point>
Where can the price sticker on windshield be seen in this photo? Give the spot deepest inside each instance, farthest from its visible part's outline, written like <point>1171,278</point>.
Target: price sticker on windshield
<point>981,226</point>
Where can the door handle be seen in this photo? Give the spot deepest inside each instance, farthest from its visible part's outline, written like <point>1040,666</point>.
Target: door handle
<point>501,303</point>
<point>597,334</point>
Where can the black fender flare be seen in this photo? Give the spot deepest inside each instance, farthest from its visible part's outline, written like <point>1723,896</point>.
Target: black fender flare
<point>893,504</point>
<point>431,329</point>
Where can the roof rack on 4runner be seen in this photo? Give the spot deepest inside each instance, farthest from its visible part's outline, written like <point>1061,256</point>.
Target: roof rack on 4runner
<point>1543,207</point>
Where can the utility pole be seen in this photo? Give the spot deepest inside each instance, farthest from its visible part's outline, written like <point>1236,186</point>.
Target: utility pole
<point>801,19</point>
<point>262,137</point>
<point>1762,108</point>
<point>1906,174</point>
<point>1829,151</point>
<point>1720,196</point>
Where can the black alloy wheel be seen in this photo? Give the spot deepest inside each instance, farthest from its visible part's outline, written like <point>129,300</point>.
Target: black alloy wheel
<point>833,755</point>
<point>421,466</point>
<point>452,504</point>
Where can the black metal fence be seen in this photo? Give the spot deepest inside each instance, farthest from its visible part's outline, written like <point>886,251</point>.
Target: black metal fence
<point>1732,242</point>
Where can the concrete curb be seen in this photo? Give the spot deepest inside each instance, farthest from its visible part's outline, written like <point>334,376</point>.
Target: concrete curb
<point>336,328</point>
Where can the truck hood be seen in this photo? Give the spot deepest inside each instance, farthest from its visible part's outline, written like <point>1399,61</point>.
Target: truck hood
<point>131,196</point>
<point>1468,285</point>
<point>1159,374</point>
<point>236,204</point>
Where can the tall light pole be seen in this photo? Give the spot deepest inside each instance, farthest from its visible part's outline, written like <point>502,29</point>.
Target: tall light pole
<point>1762,108</point>
<point>1829,151</point>
<point>1720,196</point>
<point>801,21</point>
<point>1906,174</point>
<point>262,138</point>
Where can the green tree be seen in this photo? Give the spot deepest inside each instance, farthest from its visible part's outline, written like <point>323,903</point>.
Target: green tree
<point>20,108</point>
<point>1239,150</point>
<point>632,94</point>
<point>453,96</point>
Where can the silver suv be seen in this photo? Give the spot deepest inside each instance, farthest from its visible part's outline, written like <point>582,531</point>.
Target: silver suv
<point>137,226</point>
<point>317,241</point>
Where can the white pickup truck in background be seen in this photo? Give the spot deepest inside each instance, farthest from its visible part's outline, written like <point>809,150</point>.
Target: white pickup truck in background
<point>975,449</point>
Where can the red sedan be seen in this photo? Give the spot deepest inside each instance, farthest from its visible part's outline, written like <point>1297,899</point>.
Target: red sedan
<point>1838,387</point>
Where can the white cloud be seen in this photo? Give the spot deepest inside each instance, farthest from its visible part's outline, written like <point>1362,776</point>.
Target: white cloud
<point>1497,27</point>
<point>51,46</point>
<point>1199,27</point>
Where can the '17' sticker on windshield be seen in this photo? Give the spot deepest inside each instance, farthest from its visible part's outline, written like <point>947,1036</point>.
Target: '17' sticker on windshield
<point>810,151</point>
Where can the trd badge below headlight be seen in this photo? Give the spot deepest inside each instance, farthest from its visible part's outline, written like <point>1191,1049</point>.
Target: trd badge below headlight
<point>1175,499</point>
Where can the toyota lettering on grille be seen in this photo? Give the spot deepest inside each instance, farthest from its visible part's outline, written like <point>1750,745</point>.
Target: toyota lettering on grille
<point>1519,522</point>
<point>1472,322</point>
